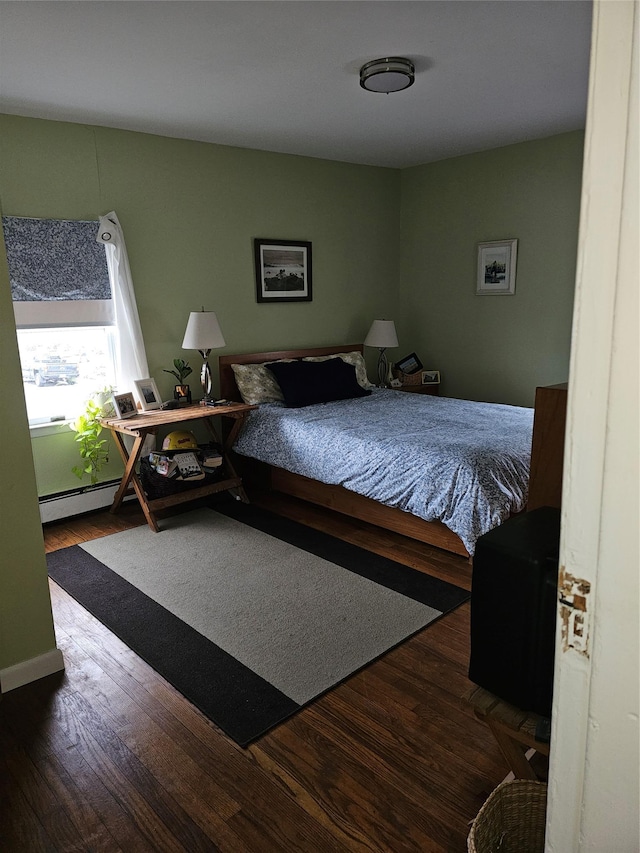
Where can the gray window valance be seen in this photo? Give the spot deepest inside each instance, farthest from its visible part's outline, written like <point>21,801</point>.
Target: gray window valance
<point>58,272</point>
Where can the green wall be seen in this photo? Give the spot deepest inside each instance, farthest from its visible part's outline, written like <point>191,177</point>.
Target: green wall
<point>496,348</point>
<point>26,624</point>
<point>190,212</point>
<point>55,452</point>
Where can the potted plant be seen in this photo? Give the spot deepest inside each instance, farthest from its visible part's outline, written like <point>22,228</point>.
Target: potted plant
<point>181,392</point>
<point>94,450</point>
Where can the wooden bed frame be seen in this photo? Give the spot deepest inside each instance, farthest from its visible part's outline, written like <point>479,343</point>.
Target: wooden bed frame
<point>333,497</point>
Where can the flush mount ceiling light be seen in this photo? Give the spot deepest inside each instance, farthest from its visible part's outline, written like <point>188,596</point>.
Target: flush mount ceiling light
<point>387,75</point>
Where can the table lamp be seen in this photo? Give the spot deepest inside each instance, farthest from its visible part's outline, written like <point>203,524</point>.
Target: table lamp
<point>203,334</point>
<point>382,334</point>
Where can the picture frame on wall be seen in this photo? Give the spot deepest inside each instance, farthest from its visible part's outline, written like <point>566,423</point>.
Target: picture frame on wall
<point>283,270</point>
<point>148,394</point>
<point>124,405</point>
<point>497,268</point>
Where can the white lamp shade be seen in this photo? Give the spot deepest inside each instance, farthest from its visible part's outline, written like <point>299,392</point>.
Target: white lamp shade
<point>382,334</point>
<point>203,332</point>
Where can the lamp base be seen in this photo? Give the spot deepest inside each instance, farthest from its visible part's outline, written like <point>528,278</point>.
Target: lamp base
<point>383,370</point>
<point>205,379</point>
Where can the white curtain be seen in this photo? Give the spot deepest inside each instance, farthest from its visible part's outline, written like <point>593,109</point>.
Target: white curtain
<point>131,357</point>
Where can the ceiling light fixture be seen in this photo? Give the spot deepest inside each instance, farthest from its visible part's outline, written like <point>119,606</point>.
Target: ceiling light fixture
<point>387,75</point>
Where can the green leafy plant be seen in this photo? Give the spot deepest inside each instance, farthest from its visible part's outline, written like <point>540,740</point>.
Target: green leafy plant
<point>94,450</point>
<point>182,370</point>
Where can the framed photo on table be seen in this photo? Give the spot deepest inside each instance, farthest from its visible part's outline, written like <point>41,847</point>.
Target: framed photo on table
<point>148,394</point>
<point>430,377</point>
<point>125,405</point>
<point>283,270</point>
<point>409,364</point>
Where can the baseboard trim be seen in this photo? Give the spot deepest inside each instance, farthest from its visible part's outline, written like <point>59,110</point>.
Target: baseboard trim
<point>31,670</point>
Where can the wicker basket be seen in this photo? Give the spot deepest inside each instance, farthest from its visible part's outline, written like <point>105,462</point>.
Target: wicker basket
<point>512,820</point>
<point>157,486</point>
<point>407,378</point>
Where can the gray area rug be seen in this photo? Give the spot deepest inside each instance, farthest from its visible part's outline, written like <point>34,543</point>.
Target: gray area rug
<point>245,592</point>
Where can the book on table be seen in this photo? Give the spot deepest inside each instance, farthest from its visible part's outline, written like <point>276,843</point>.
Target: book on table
<point>211,460</point>
<point>188,466</point>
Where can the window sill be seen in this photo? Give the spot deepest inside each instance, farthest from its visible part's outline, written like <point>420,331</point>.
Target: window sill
<point>48,428</point>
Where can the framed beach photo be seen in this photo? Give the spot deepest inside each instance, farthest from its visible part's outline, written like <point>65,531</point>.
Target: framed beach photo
<point>283,270</point>
<point>497,267</point>
<point>430,377</point>
<point>409,364</point>
<point>125,405</point>
<point>148,394</point>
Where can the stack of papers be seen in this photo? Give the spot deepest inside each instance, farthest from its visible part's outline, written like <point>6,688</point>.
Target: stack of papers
<point>186,465</point>
<point>163,465</point>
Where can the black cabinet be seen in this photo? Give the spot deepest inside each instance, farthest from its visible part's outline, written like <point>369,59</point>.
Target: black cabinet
<point>513,609</point>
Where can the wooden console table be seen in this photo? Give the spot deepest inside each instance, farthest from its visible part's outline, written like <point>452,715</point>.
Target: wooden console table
<point>147,423</point>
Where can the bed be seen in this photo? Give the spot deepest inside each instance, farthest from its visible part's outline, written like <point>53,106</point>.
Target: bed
<point>439,470</point>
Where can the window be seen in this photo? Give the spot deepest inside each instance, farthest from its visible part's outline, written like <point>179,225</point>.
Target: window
<point>64,313</point>
<point>62,368</point>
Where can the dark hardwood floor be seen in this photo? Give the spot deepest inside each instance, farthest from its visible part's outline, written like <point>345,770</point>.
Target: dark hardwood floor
<point>108,757</point>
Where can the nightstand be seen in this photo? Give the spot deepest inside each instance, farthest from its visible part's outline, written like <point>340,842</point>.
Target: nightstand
<point>434,390</point>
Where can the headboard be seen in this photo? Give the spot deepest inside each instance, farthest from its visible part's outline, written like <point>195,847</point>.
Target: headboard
<point>228,387</point>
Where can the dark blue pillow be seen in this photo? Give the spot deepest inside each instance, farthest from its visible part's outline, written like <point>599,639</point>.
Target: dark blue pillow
<point>304,383</point>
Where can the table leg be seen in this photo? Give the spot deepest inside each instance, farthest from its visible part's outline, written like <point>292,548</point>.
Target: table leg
<point>130,460</point>
<point>226,448</point>
<point>130,477</point>
<point>514,753</point>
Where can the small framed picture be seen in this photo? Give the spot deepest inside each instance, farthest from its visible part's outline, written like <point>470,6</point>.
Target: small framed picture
<point>125,405</point>
<point>283,270</point>
<point>430,377</point>
<point>409,364</point>
<point>148,394</point>
<point>497,267</point>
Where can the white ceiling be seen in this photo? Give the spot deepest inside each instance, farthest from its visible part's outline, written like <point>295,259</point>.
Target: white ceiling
<point>283,76</point>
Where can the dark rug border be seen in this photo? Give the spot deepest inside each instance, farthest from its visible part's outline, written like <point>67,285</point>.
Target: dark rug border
<point>232,696</point>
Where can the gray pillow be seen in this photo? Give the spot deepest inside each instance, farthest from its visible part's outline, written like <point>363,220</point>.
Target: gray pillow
<point>256,384</point>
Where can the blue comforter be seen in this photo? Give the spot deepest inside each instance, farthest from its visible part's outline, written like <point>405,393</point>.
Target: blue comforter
<point>461,462</point>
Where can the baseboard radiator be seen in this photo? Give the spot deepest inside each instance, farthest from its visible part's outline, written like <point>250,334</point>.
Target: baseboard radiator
<point>67,504</point>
